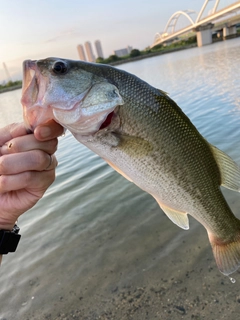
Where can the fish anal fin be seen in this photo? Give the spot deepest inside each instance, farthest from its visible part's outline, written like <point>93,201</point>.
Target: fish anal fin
<point>177,217</point>
<point>226,253</point>
<point>229,170</point>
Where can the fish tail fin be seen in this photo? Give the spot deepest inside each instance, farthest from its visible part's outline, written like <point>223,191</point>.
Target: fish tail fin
<point>226,253</point>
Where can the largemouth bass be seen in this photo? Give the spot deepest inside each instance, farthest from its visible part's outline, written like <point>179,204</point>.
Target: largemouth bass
<point>142,133</point>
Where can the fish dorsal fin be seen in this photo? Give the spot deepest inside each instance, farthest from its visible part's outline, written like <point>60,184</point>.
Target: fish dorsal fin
<point>229,170</point>
<point>163,92</point>
<point>177,217</point>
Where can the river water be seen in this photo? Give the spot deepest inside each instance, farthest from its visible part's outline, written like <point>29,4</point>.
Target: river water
<point>94,234</point>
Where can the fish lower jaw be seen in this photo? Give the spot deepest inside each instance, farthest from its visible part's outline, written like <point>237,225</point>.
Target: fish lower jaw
<point>37,114</point>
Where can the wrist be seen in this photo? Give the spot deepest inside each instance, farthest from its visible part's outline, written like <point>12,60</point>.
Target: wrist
<point>6,225</point>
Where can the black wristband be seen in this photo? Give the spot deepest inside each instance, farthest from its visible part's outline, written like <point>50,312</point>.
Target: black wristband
<point>9,240</point>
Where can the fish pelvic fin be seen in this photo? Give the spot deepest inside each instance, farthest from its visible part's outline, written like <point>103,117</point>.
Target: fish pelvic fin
<point>177,217</point>
<point>226,253</point>
<point>229,170</point>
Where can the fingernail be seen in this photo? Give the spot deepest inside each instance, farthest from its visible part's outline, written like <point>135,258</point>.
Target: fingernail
<point>45,132</point>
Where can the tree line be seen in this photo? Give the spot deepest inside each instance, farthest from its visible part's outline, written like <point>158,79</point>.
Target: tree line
<point>10,84</point>
<point>137,53</point>
<point>114,58</point>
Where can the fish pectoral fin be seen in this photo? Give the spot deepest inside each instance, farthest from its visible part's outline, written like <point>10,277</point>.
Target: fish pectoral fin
<point>177,217</point>
<point>229,170</point>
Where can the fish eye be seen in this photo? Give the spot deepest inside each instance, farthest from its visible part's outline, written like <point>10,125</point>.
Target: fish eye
<point>59,67</point>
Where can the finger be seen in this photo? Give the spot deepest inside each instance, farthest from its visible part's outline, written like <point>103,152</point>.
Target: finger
<point>27,143</point>
<point>11,131</point>
<point>48,130</point>
<point>34,160</point>
<point>35,182</point>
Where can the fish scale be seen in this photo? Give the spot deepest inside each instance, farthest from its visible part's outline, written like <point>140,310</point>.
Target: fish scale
<point>142,133</point>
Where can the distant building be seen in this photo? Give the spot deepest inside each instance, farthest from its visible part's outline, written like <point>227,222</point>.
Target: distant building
<point>81,52</point>
<point>123,52</point>
<point>129,49</point>
<point>89,51</point>
<point>98,47</point>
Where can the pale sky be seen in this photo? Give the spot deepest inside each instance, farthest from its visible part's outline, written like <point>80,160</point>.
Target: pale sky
<point>34,29</point>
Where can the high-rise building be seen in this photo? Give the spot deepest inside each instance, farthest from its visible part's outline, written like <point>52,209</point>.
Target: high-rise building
<point>98,47</point>
<point>81,52</point>
<point>89,51</point>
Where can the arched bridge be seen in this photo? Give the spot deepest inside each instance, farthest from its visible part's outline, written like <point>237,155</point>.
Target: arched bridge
<point>202,25</point>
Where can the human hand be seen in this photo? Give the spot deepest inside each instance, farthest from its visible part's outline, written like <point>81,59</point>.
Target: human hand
<point>27,168</point>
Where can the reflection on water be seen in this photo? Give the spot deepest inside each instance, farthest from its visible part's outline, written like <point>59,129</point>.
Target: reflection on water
<point>94,231</point>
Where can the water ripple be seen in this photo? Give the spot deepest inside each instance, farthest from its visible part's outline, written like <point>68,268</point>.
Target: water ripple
<point>92,221</point>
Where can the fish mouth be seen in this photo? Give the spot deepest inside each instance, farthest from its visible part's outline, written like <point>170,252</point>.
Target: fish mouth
<point>84,112</point>
<point>33,90</point>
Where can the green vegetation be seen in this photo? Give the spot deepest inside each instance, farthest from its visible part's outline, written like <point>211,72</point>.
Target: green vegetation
<point>10,85</point>
<point>137,54</point>
<point>110,59</point>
